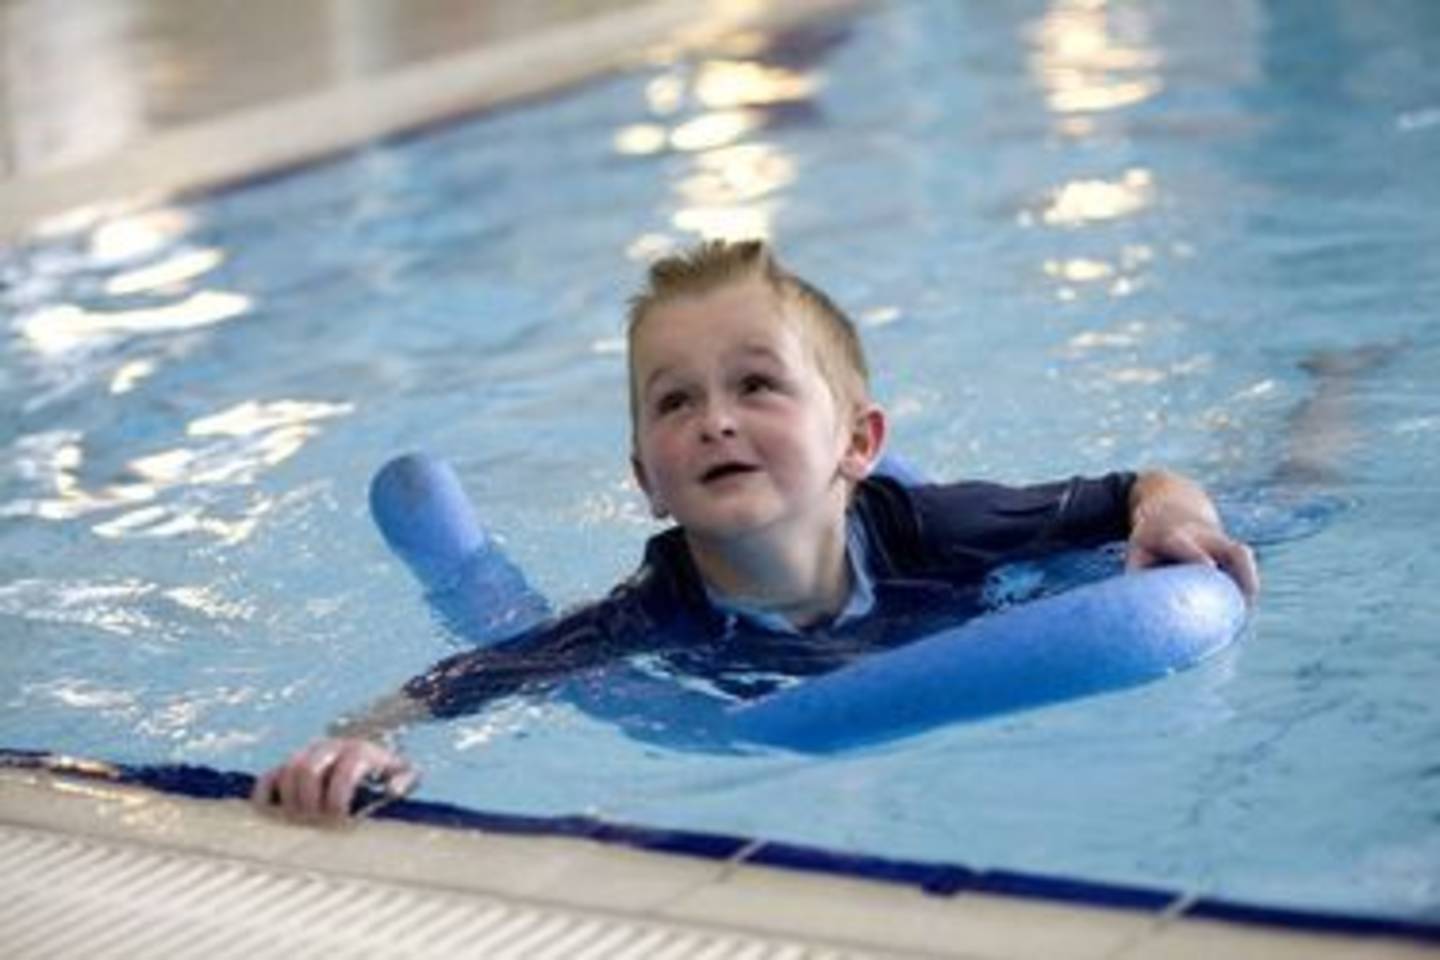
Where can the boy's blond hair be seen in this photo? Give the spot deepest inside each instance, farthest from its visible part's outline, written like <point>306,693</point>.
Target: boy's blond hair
<point>713,264</point>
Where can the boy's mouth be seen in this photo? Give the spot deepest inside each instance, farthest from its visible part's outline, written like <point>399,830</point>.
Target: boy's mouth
<point>722,470</point>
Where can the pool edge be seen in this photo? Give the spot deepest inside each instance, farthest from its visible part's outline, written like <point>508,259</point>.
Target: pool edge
<point>277,135</point>
<point>725,889</point>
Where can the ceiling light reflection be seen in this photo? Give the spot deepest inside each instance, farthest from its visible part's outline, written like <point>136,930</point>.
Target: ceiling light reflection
<point>737,174</point>
<point>1079,269</point>
<point>1143,376</point>
<point>252,417</point>
<point>665,94</point>
<point>723,84</point>
<point>641,139</point>
<point>251,436</point>
<point>1094,339</point>
<point>168,273</point>
<point>138,235</point>
<point>1084,67</point>
<point>727,223</point>
<point>162,490</point>
<point>173,521</point>
<point>1085,201</point>
<point>131,374</point>
<point>1082,95</point>
<point>67,326</point>
<point>651,246</point>
<point>711,130</point>
<point>50,462</point>
<point>880,316</point>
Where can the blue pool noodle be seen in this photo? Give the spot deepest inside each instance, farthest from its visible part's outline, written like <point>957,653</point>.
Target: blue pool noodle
<point>422,511</point>
<point>1117,633</point>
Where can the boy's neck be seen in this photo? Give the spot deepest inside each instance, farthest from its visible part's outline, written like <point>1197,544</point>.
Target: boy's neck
<point>803,579</point>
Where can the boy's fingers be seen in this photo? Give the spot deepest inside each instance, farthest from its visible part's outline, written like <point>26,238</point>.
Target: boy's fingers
<point>287,788</point>
<point>357,763</point>
<point>320,781</point>
<point>402,780</point>
<point>1187,547</point>
<point>1239,562</point>
<point>354,763</point>
<point>1208,546</point>
<point>352,766</point>
<point>1236,559</point>
<point>306,782</point>
<point>1138,558</point>
<point>303,782</point>
<point>263,794</point>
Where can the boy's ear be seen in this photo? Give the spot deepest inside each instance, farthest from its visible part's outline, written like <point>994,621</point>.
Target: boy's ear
<point>657,508</point>
<point>867,440</point>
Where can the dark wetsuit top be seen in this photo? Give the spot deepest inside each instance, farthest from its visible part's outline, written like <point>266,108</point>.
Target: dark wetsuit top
<point>927,551</point>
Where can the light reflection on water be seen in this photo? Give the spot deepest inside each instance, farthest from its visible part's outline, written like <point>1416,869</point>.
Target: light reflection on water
<point>1080,202</point>
<point>728,195</point>
<point>169,273</point>
<point>105,606</point>
<point>66,327</point>
<point>248,440</point>
<point>139,286</point>
<point>1085,66</point>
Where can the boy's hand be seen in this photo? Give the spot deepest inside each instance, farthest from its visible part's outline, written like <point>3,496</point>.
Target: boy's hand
<point>1173,521</point>
<point>320,782</point>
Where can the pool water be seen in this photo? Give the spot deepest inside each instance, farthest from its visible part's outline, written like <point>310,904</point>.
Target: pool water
<point>1076,237</point>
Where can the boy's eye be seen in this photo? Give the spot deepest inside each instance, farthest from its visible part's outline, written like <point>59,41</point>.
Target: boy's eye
<point>671,401</point>
<point>756,382</point>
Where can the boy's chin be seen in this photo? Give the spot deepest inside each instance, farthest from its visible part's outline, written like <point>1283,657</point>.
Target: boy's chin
<point>735,527</point>
<point>745,528</point>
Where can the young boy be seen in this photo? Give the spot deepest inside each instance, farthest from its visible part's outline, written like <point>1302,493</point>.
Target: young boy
<point>754,430</point>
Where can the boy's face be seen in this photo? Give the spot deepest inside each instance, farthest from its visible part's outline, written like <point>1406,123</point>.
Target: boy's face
<point>736,431</point>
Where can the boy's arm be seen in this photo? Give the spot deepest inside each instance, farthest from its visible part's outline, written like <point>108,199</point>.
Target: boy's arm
<point>320,781</point>
<point>382,718</point>
<point>1172,520</point>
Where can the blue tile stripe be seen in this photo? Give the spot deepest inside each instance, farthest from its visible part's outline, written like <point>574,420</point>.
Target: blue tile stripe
<point>939,879</point>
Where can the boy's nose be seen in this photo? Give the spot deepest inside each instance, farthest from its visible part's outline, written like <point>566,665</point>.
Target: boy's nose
<point>718,422</point>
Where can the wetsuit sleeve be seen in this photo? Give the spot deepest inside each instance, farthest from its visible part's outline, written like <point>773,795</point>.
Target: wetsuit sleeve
<point>975,526</point>
<point>588,637</point>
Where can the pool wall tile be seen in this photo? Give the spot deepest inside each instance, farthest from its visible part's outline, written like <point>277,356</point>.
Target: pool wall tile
<point>941,879</point>
<point>1070,890</point>
<point>1308,921</point>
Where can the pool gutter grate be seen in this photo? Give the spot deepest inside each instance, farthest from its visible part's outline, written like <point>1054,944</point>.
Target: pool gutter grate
<point>67,895</point>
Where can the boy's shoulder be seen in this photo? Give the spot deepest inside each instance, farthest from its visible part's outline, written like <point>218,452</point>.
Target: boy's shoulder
<point>969,526</point>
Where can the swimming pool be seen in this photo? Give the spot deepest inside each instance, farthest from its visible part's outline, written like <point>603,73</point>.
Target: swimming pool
<point>1076,237</point>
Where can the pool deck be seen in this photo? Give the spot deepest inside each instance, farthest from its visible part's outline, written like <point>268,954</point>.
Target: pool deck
<point>160,97</point>
<point>97,869</point>
<point>134,100</point>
